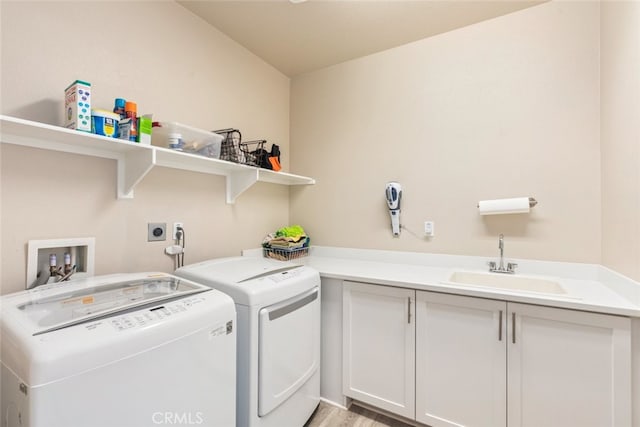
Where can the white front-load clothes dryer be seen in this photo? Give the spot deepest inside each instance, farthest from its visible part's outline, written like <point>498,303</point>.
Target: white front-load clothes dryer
<point>126,350</point>
<point>278,306</point>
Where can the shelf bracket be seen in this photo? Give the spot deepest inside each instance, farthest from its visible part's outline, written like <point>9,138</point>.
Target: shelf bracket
<point>239,181</point>
<point>132,167</point>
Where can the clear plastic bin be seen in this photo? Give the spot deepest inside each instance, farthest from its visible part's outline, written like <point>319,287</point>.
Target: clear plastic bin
<point>195,141</point>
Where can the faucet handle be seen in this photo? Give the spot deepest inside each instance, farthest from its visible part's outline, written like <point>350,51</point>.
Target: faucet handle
<point>492,265</point>
<point>511,266</point>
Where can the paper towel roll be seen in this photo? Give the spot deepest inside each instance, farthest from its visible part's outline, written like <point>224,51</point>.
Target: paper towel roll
<point>504,206</point>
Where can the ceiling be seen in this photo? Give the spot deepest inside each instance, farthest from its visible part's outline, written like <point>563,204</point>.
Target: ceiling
<point>299,37</point>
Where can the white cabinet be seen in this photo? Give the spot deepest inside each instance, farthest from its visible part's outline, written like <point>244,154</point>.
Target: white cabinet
<point>379,346</point>
<point>568,368</point>
<point>486,363</point>
<point>460,361</point>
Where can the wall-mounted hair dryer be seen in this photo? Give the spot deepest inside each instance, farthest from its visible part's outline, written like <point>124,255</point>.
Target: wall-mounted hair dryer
<point>393,193</point>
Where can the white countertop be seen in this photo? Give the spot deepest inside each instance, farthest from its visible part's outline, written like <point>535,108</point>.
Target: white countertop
<point>588,287</point>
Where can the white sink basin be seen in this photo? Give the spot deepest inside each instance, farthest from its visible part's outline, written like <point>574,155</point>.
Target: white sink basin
<point>510,282</point>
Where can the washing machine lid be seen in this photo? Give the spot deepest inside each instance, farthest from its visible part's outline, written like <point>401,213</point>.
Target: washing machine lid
<point>63,306</point>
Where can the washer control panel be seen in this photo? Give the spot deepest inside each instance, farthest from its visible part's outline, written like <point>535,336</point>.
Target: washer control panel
<point>143,318</point>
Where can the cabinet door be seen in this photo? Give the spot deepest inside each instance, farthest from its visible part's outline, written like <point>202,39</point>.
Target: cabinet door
<point>379,346</point>
<point>568,368</point>
<point>460,361</point>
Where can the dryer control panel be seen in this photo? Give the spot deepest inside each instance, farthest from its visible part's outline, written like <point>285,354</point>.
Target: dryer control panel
<point>284,275</point>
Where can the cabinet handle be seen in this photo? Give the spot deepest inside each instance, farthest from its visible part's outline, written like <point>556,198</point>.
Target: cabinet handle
<point>513,327</point>
<point>409,309</point>
<point>500,327</point>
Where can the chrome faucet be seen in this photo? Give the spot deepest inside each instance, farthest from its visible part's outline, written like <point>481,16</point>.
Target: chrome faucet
<point>511,267</point>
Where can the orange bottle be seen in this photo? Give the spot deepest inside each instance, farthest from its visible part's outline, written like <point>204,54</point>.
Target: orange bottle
<point>131,112</point>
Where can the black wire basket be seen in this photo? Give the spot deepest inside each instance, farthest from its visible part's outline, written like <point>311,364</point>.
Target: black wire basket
<point>253,152</point>
<point>230,147</point>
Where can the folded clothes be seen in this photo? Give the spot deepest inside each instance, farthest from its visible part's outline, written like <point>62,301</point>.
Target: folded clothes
<point>292,237</point>
<point>288,242</point>
<point>269,237</point>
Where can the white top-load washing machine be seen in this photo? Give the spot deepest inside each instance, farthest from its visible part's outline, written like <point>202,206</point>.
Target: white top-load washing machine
<point>278,306</point>
<point>128,350</point>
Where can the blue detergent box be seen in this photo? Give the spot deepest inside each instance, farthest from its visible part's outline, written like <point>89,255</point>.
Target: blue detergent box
<point>77,106</point>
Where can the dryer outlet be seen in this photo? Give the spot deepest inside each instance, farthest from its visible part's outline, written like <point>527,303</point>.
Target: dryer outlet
<point>156,231</point>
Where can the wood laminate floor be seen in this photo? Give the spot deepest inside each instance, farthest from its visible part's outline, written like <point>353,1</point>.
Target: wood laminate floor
<point>331,416</point>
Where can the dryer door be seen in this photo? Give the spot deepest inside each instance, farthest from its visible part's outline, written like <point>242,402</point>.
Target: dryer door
<point>289,348</point>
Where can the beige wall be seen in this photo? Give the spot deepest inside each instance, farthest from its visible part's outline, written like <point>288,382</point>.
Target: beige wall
<point>508,107</point>
<point>620,92</point>
<point>175,66</point>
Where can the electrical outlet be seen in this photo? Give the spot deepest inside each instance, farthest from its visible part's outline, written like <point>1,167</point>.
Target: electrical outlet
<point>175,229</point>
<point>156,231</point>
<point>429,228</point>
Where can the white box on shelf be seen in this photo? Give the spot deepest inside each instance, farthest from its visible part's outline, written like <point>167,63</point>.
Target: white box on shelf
<point>77,106</point>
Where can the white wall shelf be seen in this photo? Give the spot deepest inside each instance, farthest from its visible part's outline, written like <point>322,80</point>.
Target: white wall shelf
<point>134,160</point>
